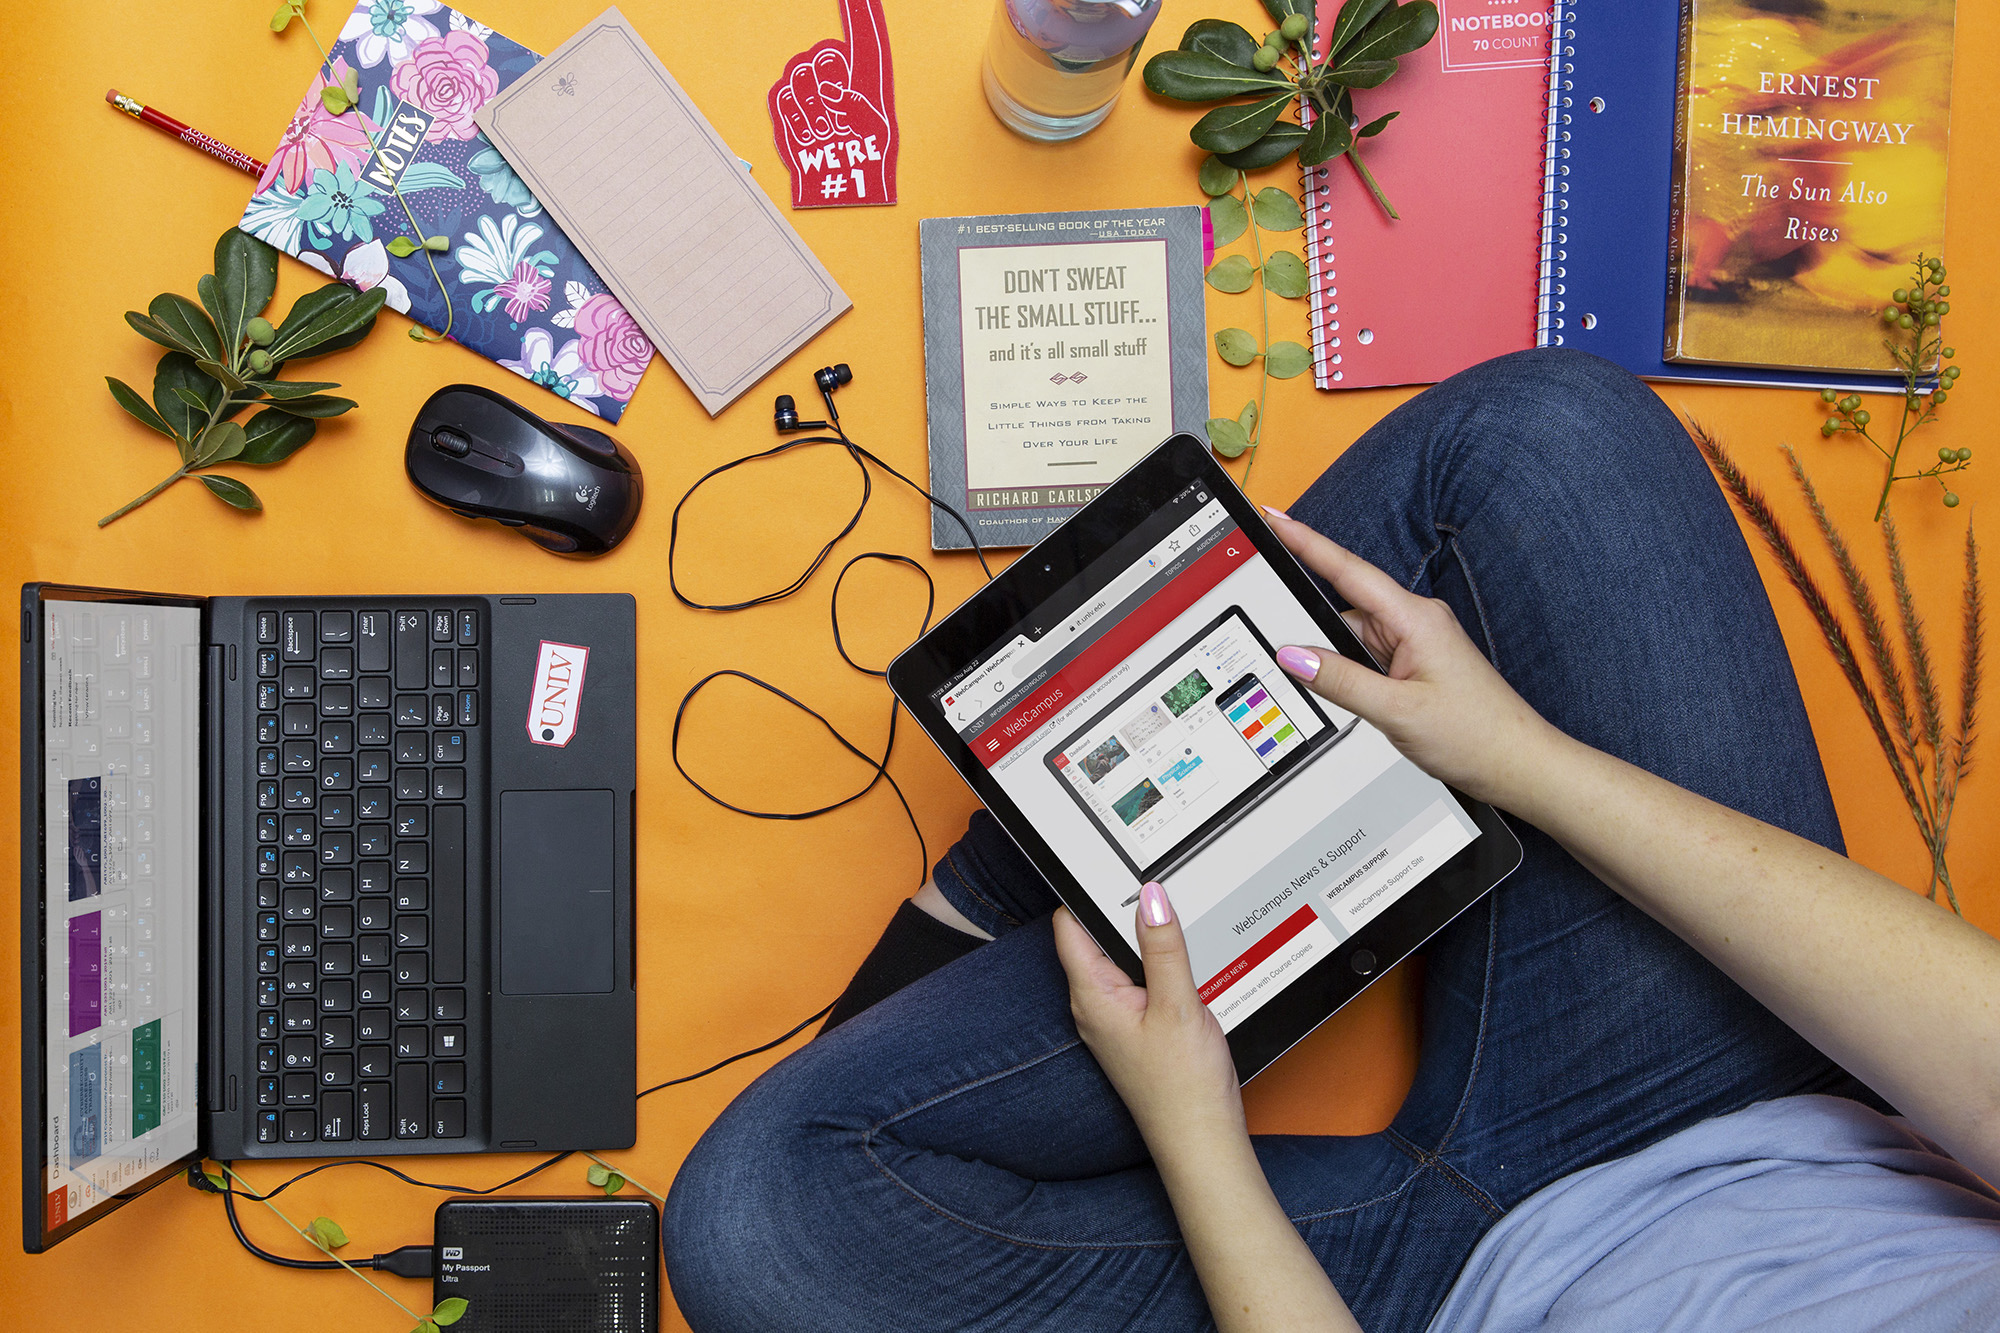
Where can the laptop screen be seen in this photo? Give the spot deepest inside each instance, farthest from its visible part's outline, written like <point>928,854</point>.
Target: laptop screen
<point>121,734</point>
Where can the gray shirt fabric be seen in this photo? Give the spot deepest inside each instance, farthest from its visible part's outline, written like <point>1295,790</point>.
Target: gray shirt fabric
<point>1804,1214</point>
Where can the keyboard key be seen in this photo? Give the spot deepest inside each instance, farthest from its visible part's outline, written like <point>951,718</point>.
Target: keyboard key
<point>371,647</point>
<point>411,1005</point>
<point>336,959</point>
<point>468,668</point>
<point>443,626</point>
<point>267,964</point>
<point>441,710</point>
<point>448,1006</point>
<point>297,720</point>
<point>412,969</point>
<point>450,785</point>
<point>448,747</point>
<point>267,927</point>
<point>267,1059</point>
<point>372,692</point>
<point>336,664</point>
<point>373,729</point>
<point>297,636</point>
<point>373,1063</point>
<point>411,645</point>
<point>413,932</point>
<point>335,923</point>
<point>374,840</point>
<point>336,848</point>
<point>336,1033</point>
<point>336,1117</point>
<point>299,1053</point>
<point>336,1071</point>
<point>298,1089</point>
<point>295,756</point>
<point>443,668</point>
<point>267,695</point>
<point>410,747</point>
<point>267,1127</point>
<point>297,682</point>
<point>336,811</point>
<point>413,821</point>
<point>336,885</point>
<point>267,860</point>
<point>448,889</point>
<point>448,1041</point>
<point>410,710</point>
<point>336,774</point>
<point>298,904</point>
<point>336,627</point>
<point>448,1077</point>
<point>374,952</point>
<point>373,1024</point>
<point>296,1015</point>
<point>412,858</point>
<point>413,1043</point>
<point>267,992</point>
<point>412,895</point>
<point>409,784</point>
<point>297,942</point>
<point>267,1092</point>
<point>372,1110</point>
<point>267,893</point>
<point>336,737</point>
<point>298,793</point>
<point>267,828</point>
<point>374,767</point>
<point>372,877</point>
<point>450,1119</point>
<point>372,914</point>
<point>297,830</point>
<point>267,627</point>
<point>298,979</point>
<point>267,664</point>
<point>468,709</point>
<point>412,1101</point>
<point>336,996</point>
<point>296,867</point>
<point>299,1126</point>
<point>336,701</point>
<point>267,763</point>
<point>267,729</point>
<point>267,796</point>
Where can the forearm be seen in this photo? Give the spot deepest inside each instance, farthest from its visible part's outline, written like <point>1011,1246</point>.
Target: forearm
<point>1896,989</point>
<point>1257,1273</point>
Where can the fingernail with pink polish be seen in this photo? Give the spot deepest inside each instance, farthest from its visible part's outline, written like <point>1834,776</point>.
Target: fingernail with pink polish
<point>1154,909</point>
<point>1301,662</point>
<point>1276,513</point>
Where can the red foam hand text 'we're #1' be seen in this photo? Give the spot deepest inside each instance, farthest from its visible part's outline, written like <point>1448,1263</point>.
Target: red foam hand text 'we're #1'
<point>834,115</point>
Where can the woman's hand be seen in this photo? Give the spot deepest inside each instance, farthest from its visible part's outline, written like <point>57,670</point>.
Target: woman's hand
<point>1158,1044</point>
<point>1442,704</point>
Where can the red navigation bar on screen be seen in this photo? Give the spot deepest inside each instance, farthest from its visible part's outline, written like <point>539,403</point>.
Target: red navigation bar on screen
<point>1112,647</point>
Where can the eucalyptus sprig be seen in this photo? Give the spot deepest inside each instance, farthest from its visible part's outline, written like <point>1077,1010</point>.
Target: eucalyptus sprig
<point>1218,61</point>
<point>223,357</point>
<point>1916,313</point>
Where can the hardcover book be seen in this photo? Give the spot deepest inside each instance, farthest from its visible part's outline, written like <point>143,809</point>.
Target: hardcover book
<point>520,294</point>
<point>1809,173</point>
<point>1058,349</point>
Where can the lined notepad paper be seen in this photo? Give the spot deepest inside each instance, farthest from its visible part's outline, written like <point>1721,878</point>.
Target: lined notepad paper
<point>643,185</point>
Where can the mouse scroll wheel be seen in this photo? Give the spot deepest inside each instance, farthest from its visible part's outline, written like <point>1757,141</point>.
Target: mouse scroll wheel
<point>451,442</point>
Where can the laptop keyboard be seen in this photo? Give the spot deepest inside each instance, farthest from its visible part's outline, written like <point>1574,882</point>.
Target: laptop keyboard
<point>364,722</point>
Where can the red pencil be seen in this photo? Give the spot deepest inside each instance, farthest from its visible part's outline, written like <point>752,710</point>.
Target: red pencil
<point>187,134</point>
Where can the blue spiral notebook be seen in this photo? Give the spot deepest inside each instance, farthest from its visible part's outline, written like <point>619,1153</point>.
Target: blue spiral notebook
<point>1608,181</point>
<point>520,294</point>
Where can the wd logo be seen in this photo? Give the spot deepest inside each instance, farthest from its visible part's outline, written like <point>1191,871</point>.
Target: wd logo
<point>454,1252</point>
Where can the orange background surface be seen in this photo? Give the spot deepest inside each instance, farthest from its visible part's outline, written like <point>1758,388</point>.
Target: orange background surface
<point>745,926</point>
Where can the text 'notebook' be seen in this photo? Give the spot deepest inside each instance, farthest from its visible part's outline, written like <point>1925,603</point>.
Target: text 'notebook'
<point>643,185</point>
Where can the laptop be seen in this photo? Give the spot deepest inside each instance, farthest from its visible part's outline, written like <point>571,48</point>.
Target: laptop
<point>320,877</point>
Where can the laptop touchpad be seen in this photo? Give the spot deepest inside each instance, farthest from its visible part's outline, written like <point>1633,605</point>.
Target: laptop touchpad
<point>556,900</point>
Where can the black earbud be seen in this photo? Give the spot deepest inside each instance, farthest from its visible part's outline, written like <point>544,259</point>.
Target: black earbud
<point>785,412</point>
<point>829,378</point>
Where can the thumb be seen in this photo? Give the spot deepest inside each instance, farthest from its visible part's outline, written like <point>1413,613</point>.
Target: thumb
<point>1340,680</point>
<point>1163,951</point>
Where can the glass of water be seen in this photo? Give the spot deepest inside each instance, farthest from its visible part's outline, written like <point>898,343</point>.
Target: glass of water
<point>1054,68</point>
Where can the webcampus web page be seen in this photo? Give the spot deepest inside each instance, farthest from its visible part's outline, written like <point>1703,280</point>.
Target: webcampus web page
<point>1141,722</point>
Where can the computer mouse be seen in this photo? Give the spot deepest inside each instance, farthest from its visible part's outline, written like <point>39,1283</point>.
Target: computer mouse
<point>569,489</point>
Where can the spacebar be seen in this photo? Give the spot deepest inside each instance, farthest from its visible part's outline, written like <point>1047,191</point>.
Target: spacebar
<point>448,893</point>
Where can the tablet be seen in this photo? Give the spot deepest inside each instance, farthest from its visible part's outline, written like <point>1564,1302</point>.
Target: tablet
<point>1115,699</point>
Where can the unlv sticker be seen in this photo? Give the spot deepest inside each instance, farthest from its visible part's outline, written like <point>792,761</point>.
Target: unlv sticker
<point>552,704</point>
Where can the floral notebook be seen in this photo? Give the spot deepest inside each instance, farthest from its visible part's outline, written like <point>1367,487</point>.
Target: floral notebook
<point>520,294</point>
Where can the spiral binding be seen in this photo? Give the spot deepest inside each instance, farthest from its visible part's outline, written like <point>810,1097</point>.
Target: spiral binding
<point>1555,190</point>
<point>1318,209</point>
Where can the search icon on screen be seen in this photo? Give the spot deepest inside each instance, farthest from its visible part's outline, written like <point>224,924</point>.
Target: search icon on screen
<point>1232,552</point>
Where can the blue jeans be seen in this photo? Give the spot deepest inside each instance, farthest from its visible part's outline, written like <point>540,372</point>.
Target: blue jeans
<point>953,1158</point>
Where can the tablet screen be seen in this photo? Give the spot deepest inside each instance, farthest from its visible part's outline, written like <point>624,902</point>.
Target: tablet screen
<point>1138,718</point>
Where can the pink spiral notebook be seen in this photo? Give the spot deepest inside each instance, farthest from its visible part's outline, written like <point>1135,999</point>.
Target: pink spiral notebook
<point>1455,281</point>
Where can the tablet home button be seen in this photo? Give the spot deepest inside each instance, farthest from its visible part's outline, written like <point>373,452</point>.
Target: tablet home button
<point>1363,963</point>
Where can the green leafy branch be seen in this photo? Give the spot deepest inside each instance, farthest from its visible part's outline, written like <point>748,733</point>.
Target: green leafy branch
<point>224,357</point>
<point>326,1235</point>
<point>1917,312</point>
<point>602,1175</point>
<point>1233,211</point>
<point>1218,61</point>
<point>341,98</point>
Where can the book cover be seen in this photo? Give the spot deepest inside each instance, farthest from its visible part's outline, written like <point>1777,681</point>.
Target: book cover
<point>1059,348</point>
<point>1452,282</point>
<point>520,294</point>
<point>1809,172</point>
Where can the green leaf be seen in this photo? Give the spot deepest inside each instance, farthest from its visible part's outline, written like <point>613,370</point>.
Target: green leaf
<point>615,1183</point>
<point>449,1310</point>
<point>191,330</point>
<point>246,275</point>
<point>1234,274</point>
<point>183,395</point>
<point>230,379</point>
<point>428,176</point>
<point>1353,19</point>
<point>437,244</point>
<point>1283,140</point>
<point>1197,76</point>
<point>1247,418</point>
<point>1227,437</point>
<point>273,436</point>
<point>1328,138</point>
<point>231,492</point>
<point>597,1173</point>
<point>1362,74</point>
<point>315,405</point>
<point>138,407</point>
<point>325,320</point>
<point>292,388</point>
<point>1229,128</point>
<point>1287,359</point>
<point>335,99</point>
<point>218,444</point>
<point>148,327</point>
<point>324,1231</point>
<point>1285,274</point>
<point>1376,126</point>
<point>1276,210</point>
<point>425,1325</point>
<point>1236,347</point>
<point>402,247</point>
<point>1280,10</point>
<point>1227,218</point>
<point>215,1178</point>
<point>1399,30</point>
<point>283,18</point>
<point>1224,40</point>
<point>1216,177</point>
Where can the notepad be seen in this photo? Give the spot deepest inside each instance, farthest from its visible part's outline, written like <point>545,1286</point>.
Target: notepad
<point>644,186</point>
